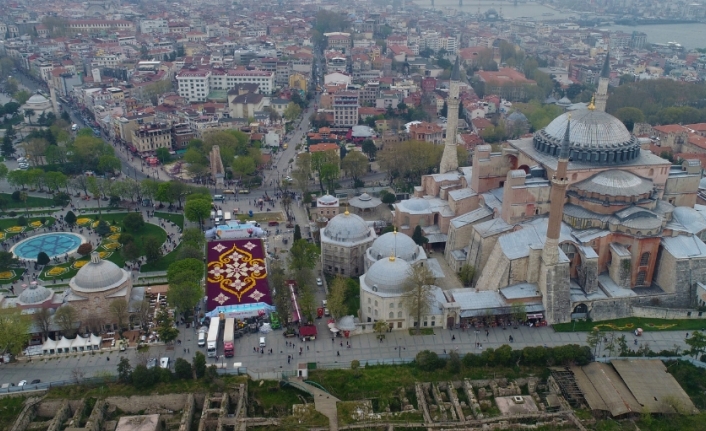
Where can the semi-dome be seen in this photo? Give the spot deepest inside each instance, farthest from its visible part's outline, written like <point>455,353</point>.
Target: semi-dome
<point>595,137</point>
<point>34,294</point>
<point>98,275</point>
<point>347,227</point>
<point>615,182</point>
<point>388,275</point>
<point>394,243</point>
<point>415,205</point>
<point>37,99</point>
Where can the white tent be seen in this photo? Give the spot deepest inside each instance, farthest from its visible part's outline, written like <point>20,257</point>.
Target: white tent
<point>64,345</point>
<point>49,347</point>
<point>95,342</point>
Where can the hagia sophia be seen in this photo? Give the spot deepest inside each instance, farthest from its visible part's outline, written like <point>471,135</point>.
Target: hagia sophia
<point>577,221</point>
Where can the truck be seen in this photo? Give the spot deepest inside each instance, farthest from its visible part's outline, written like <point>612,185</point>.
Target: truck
<point>228,338</point>
<point>212,340</point>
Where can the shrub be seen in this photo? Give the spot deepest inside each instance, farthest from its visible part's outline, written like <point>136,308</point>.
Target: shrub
<point>200,364</point>
<point>454,363</point>
<point>15,196</point>
<point>125,238</point>
<point>142,377</point>
<point>103,228</point>
<point>12,214</point>
<point>182,369</point>
<point>427,360</point>
<point>42,258</point>
<point>70,218</point>
<point>22,221</point>
<point>84,249</point>
<point>61,199</point>
<point>388,198</point>
<point>133,222</point>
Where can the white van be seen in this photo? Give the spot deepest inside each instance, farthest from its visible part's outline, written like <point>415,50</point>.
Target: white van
<point>164,362</point>
<point>213,215</point>
<point>74,127</point>
<point>219,214</point>
<point>227,217</point>
<point>202,338</point>
<point>262,342</point>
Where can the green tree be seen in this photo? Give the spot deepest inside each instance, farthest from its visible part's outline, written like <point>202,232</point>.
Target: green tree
<point>197,210</point>
<point>7,147</point>
<point>593,339</point>
<point>22,96</point>
<point>42,258</point>
<point>302,173</point>
<point>14,330</point>
<point>130,251</point>
<point>380,327</point>
<point>163,155</point>
<point>165,326</point>
<point>182,369</point>
<point>103,228</point>
<point>55,181</point>
<point>297,233</point>
<point>368,147</point>
<point>697,344</point>
<point>292,112</point>
<point>3,171</point>
<point>133,222</point>
<point>191,270</point>
<point>124,370</point>
<point>199,364</point>
<point>418,236</point>
<point>630,116</point>
<point>307,302</point>
<point>303,254</point>
<point>66,317</point>
<point>418,293</point>
<point>355,164</point>
<point>94,188</point>
<point>519,311</point>
<point>142,378</point>
<point>281,298</point>
<point>119,310</point>
<point>152,248</point>
<point>194,237</point>
<point>109,164</point>
<point>467,273</point>
<point>336,299</point>
<point>184,295</point>
<point>8,260</point>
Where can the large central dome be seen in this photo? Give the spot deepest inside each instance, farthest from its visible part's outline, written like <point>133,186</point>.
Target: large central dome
<point>595,137</point>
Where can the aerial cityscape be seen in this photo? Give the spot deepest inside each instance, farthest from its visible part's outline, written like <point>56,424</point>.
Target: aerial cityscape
<point>432,214</point>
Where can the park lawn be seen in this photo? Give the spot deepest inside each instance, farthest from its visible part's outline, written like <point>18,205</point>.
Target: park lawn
<point>12,222</point>
<point>632,323</point>
<point>262,217</point>
<point>32,202</point>
<point>116,256</point>
<point>162,264</point>
<point>18,274</point>
<point>177,219</point>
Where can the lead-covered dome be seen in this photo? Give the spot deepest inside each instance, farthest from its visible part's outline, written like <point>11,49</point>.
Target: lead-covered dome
<point>394,244</point>
<point>347,227</point>
<point>34,294</point>
<point>98,275</point>
<point>595,137</point>
<point>388,275</point>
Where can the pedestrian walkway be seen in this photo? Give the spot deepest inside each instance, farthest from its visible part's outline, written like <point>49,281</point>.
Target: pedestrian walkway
<point>324,403</point>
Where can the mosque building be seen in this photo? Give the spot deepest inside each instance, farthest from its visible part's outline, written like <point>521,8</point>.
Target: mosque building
<point>576,221</point>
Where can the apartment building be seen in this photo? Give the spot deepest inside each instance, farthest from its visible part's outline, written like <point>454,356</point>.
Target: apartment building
<point>149,137</point>
<point>345,108</point>
<point>195,84</point>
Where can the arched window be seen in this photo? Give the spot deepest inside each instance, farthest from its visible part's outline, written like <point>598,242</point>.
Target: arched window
<point>376,302</point>
<point>392,315</point>
<point>392,305</point>
<point>369,310</point>
<point>376,312</point>
<point>399,314</point>
<point>641,276</point>
<point>399,305</point>
<point>369,301</point>
<point>645,258</point>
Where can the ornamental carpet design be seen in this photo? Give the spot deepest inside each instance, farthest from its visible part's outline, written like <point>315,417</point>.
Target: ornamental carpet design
<point>236,273</point>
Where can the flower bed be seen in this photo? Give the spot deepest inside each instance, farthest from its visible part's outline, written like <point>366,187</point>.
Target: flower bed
<point>15,229</point>
<point>115,229</point>
<point>7,275</point>
<point>57,271</point>
<point>114,237</point>
<point>83,221</point>
<point>112,245</point>
<point>79,264</point>
<point>36,224</point>
<point>105,254</point>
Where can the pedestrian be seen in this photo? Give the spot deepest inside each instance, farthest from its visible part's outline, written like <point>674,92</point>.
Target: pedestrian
<point>338,353</point>
<point>687,335</point>
<point>307,347</point>
<point>453,338</point>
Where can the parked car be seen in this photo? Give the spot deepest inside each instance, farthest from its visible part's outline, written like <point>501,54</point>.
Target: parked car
<point>36,381</point>
<point>319,282</point>
<point>22,383</point>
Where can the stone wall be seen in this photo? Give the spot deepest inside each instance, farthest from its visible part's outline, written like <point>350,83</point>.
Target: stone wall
<point>149,404</point>
<point>27,415</point>
<point>60,417</point>
<point>188,415</point>
<point>667,313</point>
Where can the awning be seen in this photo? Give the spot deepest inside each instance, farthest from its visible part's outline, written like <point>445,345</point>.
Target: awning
<point>307,331</point>
<point>535,316</point>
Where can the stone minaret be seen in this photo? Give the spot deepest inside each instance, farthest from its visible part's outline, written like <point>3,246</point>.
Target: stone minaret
<point>449,160</point>
<point>554,272</point>
<point>602,92</point>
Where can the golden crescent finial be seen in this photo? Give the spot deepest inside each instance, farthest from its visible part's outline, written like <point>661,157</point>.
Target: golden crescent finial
<point>592,105</point>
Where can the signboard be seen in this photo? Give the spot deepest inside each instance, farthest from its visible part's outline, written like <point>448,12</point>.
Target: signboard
<point>236,273</point>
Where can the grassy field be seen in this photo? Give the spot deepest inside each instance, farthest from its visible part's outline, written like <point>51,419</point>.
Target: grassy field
<point>274,401</point>
<point>32,202</point>
<point>177,219</point>
<point>163,263</point>
<point>116,257</point>
<point>263,217</point>
<point>632,323</point>
<point>118,389</point>
<point>10,407</point>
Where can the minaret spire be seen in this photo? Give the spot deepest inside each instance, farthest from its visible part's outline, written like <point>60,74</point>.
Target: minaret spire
<point>557,197</point>
<point>602,91</point>
<point>449,159</point>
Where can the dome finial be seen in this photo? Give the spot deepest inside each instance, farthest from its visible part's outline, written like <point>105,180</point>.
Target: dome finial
<point>392,256</point>
<point>592,105</point>
<point>346,212</point>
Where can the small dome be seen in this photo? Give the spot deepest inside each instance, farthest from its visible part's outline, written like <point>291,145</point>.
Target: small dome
<point>404,247</point>
<point>564,101</point>
<point>416,204</point>
<point>388,275</point>
<point>347,227</point>
<point>516,116</point>
<point>364,197</point>
<point>34,294</point>
<point>98,275</point>
<point>37,99</point>
<point>327,200</point>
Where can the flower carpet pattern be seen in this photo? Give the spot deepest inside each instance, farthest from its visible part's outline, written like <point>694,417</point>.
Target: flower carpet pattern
<point>115,229</point>
<point>83,221</point>
<point>79,264</point>
<point>114,237</point>
<point>15,229</point>
<point>36,224</point>
<point>236,273</point>
<point>57,271</point>
<point>7,275</point>
<point>112,245</point>
<point>105,254</point>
